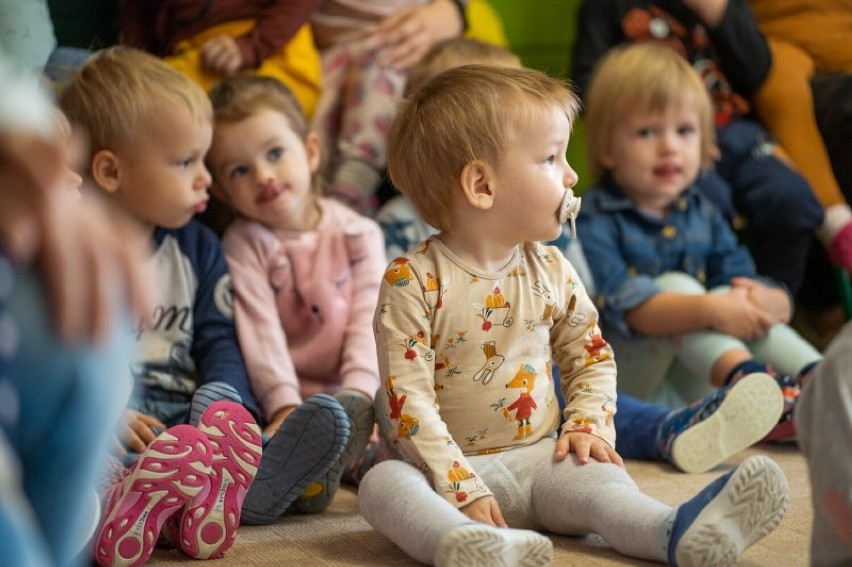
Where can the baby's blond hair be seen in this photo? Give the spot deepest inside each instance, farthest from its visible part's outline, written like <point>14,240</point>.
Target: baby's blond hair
<point>461,115</point>
<point>642,77</point>
<point>113,95</point>
<point>456,52</point>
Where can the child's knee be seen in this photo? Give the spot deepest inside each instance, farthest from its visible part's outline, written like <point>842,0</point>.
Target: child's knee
<point>680,282</point>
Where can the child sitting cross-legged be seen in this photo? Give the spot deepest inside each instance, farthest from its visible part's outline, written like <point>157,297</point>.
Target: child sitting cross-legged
<point>150,127</point>
<point>468,326</point>
<point>306,269</point>
<point>680,299</point>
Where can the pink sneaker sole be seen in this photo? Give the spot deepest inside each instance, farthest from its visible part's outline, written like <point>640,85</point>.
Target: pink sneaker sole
<point>173,469</point>
<point>209,523</point>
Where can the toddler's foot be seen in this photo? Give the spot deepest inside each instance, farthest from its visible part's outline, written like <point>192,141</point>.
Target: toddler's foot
<point>208,393</point>
<point>311,439</point>
<point>173,469</point>
<point>733,512</point>
<point>785,429</point>
<point>359,409</point>
<point>480,545</point>
<point>702,435</point>
<point>209,523</point>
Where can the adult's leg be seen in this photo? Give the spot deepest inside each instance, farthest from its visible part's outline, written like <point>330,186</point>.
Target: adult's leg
<point>69,400</point>
<point>827,399</point>
<point>21,540</point>
<point>785,105</point>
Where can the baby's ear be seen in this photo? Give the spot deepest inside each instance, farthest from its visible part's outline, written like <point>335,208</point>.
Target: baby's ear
<point>313,148</point>
<point>106,171</point>
<point>476,181</point>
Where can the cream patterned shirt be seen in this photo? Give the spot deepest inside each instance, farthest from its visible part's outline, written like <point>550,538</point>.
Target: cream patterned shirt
<point>466,359</point>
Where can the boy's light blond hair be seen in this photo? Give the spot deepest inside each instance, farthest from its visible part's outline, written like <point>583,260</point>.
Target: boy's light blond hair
<point>236,98</point>
<point>456,52</point>
<point>114,93</point>
<point>642,77</point>
<point>461,115</point>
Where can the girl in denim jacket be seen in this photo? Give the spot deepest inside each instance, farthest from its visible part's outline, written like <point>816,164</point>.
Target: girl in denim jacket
<point>685,308</point>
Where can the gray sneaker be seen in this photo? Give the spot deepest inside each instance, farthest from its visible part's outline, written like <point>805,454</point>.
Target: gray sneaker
<point>311,439</point>
<point>319,494</point>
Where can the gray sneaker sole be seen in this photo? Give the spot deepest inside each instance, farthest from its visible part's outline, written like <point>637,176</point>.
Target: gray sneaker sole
<point>359,409</point>
<point>311,439</point>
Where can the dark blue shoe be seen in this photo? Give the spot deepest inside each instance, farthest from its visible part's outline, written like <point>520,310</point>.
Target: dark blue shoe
<point>732,513</point>
<point>311,440</point>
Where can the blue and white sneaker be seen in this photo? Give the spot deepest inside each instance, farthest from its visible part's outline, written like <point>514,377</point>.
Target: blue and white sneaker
<point>732,513</point>
<point>702,435</point>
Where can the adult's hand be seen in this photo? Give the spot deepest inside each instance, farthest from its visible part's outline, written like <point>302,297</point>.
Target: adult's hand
<point>406,35</point>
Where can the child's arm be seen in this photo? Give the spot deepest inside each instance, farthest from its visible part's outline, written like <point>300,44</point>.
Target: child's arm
<point>741,48</point>
<point>271,371</point>
<point>365,244</point>
<point>406,407</point>
<point>215,349</point>
<point>732,313</point>
<point>275,25</point>
<point>587,372</point>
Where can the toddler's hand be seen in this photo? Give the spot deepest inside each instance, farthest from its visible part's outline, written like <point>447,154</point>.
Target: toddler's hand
<point>734,314</point>
<point>585,445</point>
<point>773,300</point>
<point>277,420</point>
<point>139,430</point>
<point>222,55</point>
<point>485,510</point>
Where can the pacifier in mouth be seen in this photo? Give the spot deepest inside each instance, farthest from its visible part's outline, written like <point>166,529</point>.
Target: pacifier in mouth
<point>569,209</point>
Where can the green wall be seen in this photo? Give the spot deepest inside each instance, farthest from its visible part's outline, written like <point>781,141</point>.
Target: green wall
<point>542,33</point>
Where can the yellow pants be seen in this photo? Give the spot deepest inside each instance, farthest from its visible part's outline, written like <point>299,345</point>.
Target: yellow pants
<point>806,37</point>
<point>297,64</point>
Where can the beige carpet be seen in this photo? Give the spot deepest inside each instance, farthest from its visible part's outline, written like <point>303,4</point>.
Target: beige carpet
<point>342,537</point>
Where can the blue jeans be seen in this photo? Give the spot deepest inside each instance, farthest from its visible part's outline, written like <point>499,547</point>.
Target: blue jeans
<point>779,204</point>
<point>60,405</point>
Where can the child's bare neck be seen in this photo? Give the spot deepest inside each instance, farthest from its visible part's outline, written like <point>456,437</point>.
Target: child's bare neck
<point>488,255</point>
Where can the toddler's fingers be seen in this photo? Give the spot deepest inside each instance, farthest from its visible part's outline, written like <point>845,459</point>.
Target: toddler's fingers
<point>563,445</point>
<point>600,454</point>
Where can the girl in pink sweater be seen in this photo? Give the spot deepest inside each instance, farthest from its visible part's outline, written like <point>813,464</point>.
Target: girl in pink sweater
<point>306,269</point>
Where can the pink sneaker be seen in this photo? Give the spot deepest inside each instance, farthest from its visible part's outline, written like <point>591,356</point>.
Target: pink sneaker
<point>209,523</point>
<point>173,469</point>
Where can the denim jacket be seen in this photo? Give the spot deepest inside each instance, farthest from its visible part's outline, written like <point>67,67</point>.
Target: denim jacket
<point>627,249</point>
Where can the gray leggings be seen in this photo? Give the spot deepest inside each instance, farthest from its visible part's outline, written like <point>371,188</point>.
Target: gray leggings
<point>533,491</point>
